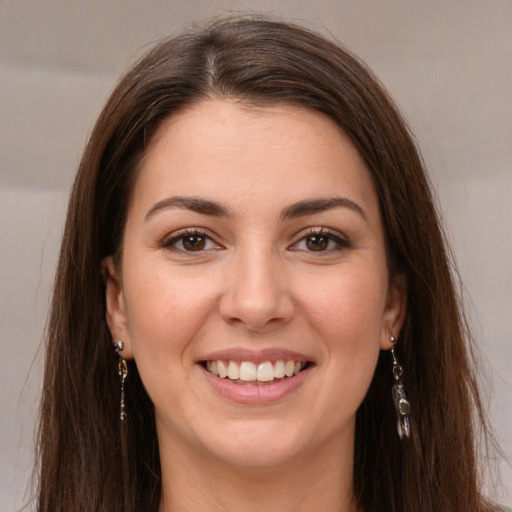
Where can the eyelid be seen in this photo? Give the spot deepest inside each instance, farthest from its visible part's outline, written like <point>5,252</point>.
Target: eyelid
<point>341,240</point>
<point>334,235</point>
<point>172,238</point>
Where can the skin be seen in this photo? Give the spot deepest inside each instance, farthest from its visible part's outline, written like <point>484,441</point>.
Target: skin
<point>257,283</point>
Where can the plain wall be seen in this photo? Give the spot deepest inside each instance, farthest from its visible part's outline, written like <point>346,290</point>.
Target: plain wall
<point>447,63</point>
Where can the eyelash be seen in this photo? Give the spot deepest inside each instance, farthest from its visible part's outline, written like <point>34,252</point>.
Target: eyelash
<point>309,233</point>
<point>334,236</point>
<point>188,233</point>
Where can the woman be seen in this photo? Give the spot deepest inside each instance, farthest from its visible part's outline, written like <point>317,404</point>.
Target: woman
<point>254,294</point>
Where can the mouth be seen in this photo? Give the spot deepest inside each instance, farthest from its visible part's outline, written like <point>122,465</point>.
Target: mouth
<point>249,373</point>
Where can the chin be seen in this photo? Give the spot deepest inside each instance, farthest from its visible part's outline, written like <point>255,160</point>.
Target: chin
<point>256,446</point>
<point>254,457</point>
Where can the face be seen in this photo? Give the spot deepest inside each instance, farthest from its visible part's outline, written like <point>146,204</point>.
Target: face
<point>253,247</point>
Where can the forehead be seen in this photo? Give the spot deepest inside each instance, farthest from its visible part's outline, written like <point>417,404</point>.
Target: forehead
<point>238,153</point>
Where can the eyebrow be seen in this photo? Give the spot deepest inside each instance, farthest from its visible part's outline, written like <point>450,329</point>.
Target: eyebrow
<point>312,206</point>
<point>196,204</point>
<point>294,211</point>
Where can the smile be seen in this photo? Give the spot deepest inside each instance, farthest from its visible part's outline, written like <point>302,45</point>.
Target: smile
<point>254,374</point>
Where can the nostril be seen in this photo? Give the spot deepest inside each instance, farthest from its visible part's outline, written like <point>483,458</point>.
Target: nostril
<point>255,318</point>
<point>256,298</point>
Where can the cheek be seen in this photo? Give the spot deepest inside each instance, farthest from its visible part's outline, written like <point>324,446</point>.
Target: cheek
<point>165,311</point>
<point>347,306</point>
<point>346,313</point>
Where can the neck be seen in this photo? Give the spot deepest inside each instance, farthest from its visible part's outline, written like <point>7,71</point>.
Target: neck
<point>318,480</point>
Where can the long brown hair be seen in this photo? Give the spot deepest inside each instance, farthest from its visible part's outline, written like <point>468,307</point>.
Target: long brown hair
<point>88,460</point>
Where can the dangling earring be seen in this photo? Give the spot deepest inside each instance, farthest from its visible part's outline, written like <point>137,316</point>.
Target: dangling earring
<point>402,405</point>
<point>122,370</point>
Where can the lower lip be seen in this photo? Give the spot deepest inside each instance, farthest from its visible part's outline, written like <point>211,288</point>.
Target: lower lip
<point>256,394</point>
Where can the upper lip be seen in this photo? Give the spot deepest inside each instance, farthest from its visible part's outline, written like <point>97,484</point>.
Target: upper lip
<point>255,356</point>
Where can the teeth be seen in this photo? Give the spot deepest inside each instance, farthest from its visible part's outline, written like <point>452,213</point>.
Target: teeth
<point>223,371</point>
<point>233,371</point>
<point>279,371</point>
<point>265,372</point>
<point>247,371</point>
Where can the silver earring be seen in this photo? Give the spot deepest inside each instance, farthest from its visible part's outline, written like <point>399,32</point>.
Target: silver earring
<point>122,370</point>
<point>402,405</point>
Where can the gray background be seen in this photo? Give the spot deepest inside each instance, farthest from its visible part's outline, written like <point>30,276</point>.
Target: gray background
<point>447,63</point>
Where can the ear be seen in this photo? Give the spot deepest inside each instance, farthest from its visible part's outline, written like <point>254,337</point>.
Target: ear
<point>115,306</point>
<point>394,311</point>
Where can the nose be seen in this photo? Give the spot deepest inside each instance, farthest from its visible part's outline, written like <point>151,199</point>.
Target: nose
<point>257,295</point>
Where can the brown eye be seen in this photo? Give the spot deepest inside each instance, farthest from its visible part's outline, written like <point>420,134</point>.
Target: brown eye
<point>194,243</point>
<point>317,242</point>
<point>189,241</point>
<point>322,241</point>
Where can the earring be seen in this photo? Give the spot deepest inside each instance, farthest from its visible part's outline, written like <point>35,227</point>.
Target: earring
<point>122,370</point>
<point>402,405</point>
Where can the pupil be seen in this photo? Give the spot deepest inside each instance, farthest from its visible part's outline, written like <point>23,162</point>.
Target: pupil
<point>194,243</point>
<point>317,243</point>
